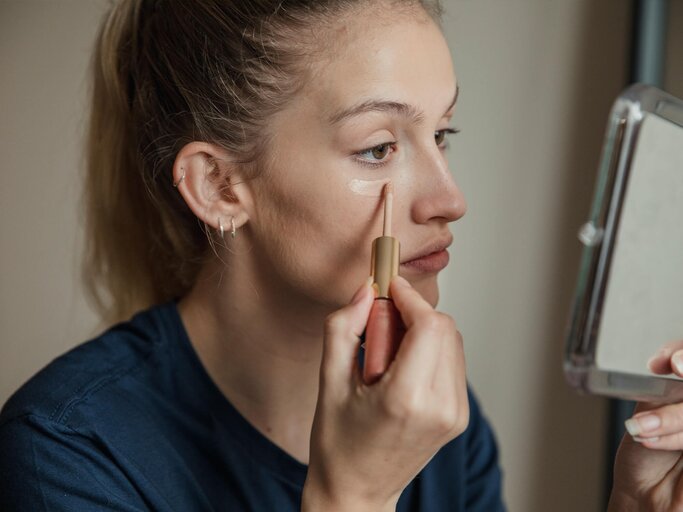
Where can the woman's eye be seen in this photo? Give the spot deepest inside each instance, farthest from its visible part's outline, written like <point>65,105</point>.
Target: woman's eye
<point>379,152</point>
<point>377,155</point>
<point>440,136</point>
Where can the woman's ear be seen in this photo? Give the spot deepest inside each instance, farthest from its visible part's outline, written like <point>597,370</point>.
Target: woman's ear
<point>210,182</point>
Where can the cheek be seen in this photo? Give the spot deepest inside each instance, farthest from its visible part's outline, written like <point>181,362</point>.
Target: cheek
<point>316,236</point>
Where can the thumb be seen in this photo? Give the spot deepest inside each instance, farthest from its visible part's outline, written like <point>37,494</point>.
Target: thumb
<point>343,329</point>
<point>661,362</point>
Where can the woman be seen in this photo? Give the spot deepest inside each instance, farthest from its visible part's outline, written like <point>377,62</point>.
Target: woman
<point>237,155</point>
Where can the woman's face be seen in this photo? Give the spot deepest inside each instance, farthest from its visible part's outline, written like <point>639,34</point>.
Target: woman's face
<point>376,112</point>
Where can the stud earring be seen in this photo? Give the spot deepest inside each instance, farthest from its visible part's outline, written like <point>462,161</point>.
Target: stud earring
<point>176,183</point>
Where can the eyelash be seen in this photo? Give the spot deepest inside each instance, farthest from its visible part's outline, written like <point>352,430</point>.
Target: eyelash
<point>367,163</point>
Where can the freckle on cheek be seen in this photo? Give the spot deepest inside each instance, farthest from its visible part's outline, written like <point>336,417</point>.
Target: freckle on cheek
<point>370,188</point>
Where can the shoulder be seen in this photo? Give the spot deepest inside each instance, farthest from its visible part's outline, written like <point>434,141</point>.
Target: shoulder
<point>484,475</point>
<point>63,433</point>
<point>479,424</point>
<point>81,373</point>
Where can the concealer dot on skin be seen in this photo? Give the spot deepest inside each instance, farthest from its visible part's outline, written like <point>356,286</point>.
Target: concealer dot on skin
<point>371,188</point>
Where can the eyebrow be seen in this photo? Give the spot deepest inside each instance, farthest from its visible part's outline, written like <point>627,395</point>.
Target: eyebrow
<point>410,112</point>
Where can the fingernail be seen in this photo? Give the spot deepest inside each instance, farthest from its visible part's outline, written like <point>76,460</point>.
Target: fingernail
<point>677,361</point>
<point>637,426</point>
<point>648,439</point>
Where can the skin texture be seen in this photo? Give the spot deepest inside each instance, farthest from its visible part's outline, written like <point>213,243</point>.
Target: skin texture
<point>256,316</point>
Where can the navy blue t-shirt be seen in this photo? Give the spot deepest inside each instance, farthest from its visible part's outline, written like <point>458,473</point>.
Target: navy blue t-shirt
<point>131,421</point>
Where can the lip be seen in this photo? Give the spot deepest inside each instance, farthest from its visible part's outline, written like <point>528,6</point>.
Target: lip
<point>433,258</point>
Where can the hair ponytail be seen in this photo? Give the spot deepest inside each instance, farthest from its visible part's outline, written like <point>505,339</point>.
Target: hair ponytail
<point>129,261</point>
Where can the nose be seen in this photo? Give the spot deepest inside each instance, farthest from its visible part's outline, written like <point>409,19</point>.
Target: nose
<point>436,195</point>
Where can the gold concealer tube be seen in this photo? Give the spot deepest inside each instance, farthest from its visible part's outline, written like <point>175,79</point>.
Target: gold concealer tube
<point>385,328</point>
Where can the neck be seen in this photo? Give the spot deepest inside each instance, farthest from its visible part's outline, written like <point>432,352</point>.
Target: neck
<point>261,347</point>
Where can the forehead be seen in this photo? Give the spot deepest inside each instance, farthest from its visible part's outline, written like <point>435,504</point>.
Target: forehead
<point>398,58</point>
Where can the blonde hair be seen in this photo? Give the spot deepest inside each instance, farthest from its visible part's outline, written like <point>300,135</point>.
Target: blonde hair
<point>165,73</point>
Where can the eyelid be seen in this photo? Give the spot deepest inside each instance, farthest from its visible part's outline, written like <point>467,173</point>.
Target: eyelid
<point>445,144</point>
<point>449,130</point>
<point>387,143</point>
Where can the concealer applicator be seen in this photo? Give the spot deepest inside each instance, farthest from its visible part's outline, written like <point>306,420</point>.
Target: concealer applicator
<point>385,328</point>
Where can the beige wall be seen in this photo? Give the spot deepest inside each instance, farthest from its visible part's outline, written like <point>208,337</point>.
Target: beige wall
<point>43,53</point>
<point>537,80</point>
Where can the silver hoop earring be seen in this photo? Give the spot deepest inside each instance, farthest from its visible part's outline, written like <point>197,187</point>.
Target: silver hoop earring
<point>176,183</point>
<point>233,233</point>
<point>220,227</point>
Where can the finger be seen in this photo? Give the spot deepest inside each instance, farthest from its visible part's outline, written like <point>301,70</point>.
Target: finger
<point>676,363</point>
<point>343,329</point>
<point>410,304</point>
<point>671,442</point>
<point>657,422</point>
<point>660,363</point>
<point>418,354</point>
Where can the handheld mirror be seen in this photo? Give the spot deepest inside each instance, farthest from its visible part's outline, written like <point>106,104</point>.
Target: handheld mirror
<point>629,293</point>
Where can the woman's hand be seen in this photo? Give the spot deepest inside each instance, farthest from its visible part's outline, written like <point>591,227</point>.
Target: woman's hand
<point>369,442</point>
<point>648,471</point>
